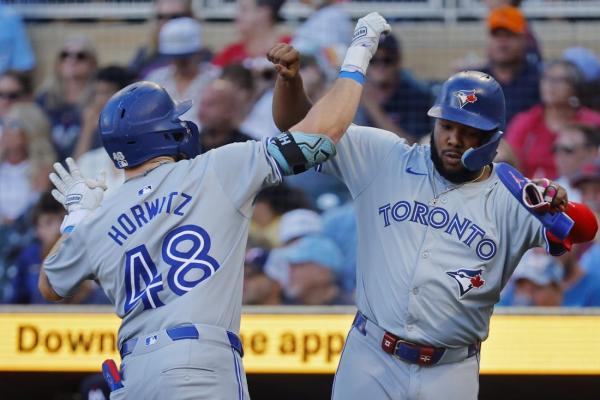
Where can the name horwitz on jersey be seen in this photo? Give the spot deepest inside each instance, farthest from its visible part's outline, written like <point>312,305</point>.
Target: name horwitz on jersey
<point>138,216</point>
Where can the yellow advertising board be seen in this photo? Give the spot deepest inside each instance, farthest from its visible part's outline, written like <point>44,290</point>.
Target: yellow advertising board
<point>300,343</point>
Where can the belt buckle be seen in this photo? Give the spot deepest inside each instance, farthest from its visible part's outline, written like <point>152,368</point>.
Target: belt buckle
<point>424,355</point>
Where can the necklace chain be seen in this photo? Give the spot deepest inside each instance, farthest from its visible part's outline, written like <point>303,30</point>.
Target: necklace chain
<point>437,196</point>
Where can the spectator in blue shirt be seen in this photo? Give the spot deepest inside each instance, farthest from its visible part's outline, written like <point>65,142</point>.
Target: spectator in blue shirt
<point>16,53</point>
<point>535,282</point>
<point>587,181</point>
<point>147,57</point>
<point>393,99</point>
<point>581,289</point>
<point>339,224</point>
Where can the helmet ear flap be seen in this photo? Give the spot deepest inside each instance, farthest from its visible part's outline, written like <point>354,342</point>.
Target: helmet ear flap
<point>476,158</point>
<point>189,147</point>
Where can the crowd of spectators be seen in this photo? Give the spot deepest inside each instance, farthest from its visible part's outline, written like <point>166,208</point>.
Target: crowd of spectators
<point>302,244</point>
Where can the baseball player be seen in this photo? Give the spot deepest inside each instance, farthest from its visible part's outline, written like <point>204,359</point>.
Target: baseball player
<point>168,246</point>
<point>440,227</point>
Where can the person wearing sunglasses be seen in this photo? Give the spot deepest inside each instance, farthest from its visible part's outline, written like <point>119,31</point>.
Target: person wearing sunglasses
<point>186,76</point>
<point>68,90</point>
<point>14,86</point>
<point>533,133</point>
<point>393,99</point>
<point>575,145</point>
<point>147,57</point>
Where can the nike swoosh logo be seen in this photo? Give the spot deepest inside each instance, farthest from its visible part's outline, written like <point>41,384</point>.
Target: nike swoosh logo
<point>410,171</point>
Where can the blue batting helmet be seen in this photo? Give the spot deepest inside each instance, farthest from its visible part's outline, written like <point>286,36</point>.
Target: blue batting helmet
<point>141,122</point>
<point>474,99</point>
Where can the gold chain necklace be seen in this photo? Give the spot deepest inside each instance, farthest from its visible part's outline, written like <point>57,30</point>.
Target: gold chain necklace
<point>436,196</point>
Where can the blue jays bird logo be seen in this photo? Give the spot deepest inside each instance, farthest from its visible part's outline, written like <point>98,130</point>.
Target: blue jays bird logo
<point>467,279</point>
<point>465,97</point>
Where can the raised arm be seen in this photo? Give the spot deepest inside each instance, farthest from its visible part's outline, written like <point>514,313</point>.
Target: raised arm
<point>334,112</point>
<point>290,102</point>
<point>80,196</point>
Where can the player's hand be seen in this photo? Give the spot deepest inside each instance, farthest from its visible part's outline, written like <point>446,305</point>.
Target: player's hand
<point>364,44</point>
<point>74,191</point>
<point>286,60</point>
<point>554,197</point>
<point>368,30</point>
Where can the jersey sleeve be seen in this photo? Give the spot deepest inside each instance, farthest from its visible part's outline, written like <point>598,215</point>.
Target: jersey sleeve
<point>361,153</point>
<point>522,230</point>
<point>70,265</point>
<point>243,169</point>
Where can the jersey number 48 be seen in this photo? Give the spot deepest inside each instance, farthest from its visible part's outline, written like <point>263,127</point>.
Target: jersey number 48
<point>185,250</point>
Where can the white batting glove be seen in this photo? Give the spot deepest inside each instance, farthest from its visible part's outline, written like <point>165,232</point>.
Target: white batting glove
<point>76,193</point>
<point>364,42</point>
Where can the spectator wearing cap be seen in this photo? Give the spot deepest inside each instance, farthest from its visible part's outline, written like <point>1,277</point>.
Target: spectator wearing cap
<point>309,265</point>
<point>217,115</point>
<point>587,181</point>
<point>256,22</point>
<point>532,134</point>
<point>535,282</point>
<point>293,226</point>
<point>186,76</point>
<point>325,35</point>
<point>16,53</point>
<point>508,62</point>
<point>147,57</point>
<point>533,49</point>
<point>307,269</point>
<point>575,145</point>
<point>270,204</point>
<point>67,91</point>
<point>314,266</point>
<point>259,288</point>
<point>589,65</point>
<point>393,99</point>
<point>298,223</point>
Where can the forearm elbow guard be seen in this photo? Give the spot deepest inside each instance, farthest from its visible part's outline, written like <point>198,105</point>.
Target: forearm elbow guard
<point>295,152</point>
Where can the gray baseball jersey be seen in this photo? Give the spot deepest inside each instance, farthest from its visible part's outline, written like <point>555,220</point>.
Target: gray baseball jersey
<point>432,256</point>
<point>168,246</point>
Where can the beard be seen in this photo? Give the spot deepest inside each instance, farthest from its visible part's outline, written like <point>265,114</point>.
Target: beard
<point>461,176</point>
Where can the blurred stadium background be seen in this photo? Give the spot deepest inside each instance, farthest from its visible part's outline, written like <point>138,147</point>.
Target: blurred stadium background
<point>49,352</point>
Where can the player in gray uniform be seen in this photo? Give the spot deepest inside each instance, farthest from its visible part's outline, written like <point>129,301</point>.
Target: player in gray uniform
<point>168,247</point>
<point>438,233</point>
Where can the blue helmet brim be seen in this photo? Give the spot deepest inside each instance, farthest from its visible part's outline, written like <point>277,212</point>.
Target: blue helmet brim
<point>182,107</point>
<point>463,117</point>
